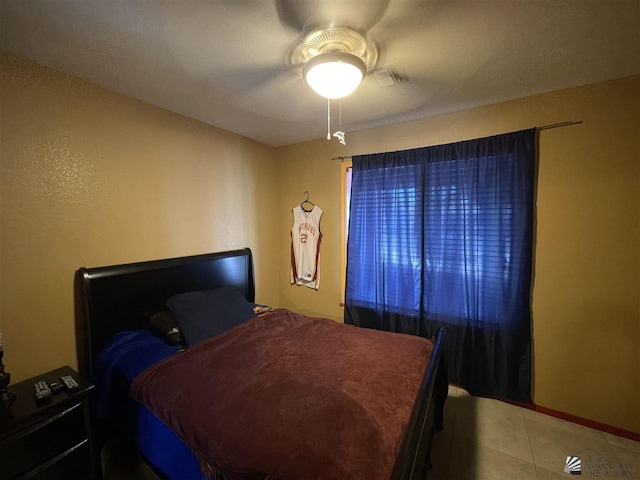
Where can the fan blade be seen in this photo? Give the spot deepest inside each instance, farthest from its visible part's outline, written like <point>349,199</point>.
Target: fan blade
<point>201,38</point>
<point>436,44</point>
<point>306,15</point>
<point>385,102</point>
<point>284,96</point>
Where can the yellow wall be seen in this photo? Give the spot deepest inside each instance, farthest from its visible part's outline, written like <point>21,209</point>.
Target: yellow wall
<point>88,178</point>
<point>586,304</point>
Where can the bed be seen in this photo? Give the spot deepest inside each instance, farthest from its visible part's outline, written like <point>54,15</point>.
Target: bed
<point>135,372</point>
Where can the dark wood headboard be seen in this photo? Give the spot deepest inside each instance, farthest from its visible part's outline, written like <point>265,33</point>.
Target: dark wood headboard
<point>122,297</point>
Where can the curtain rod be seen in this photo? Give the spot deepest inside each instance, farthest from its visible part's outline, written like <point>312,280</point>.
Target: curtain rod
<point>544,127</point>
<point>561,124</point>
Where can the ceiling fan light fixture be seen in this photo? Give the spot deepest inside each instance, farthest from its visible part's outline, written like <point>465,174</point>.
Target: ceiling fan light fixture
<point>335,74</point>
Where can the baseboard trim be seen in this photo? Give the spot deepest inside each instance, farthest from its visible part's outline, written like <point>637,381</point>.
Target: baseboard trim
<point>603,427</point>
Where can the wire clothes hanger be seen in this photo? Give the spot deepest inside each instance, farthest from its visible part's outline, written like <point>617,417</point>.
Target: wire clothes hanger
<point>306,201</point>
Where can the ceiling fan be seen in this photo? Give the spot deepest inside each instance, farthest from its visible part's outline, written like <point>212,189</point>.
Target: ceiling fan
<point>335,60</point>
<point>273,83</point>
<point>336,52</point>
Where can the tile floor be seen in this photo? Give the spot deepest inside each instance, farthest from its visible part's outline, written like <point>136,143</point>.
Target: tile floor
<point>486,439</point>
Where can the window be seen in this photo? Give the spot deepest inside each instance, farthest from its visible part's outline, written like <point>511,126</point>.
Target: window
<point>436,238</point>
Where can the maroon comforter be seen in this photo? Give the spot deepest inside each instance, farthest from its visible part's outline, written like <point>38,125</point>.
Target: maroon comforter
<point>285,396</point>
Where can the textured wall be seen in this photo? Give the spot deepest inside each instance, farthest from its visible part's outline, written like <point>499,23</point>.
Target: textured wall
<point>88,178</point>
<point>586,305</point>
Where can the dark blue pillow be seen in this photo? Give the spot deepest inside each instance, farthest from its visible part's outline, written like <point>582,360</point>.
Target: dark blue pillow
<point>201,315</point>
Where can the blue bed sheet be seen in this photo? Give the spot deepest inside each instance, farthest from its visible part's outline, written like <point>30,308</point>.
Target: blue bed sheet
<point>122,360</point>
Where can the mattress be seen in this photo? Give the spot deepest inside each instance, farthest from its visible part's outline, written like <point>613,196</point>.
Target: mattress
<point>127,355</point>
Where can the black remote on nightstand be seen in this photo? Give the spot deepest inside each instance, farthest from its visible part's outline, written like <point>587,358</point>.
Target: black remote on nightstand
<point>69,382</point>
<point>42,391</point>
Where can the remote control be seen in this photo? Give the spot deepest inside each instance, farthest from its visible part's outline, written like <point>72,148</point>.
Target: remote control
<point>42,391</point>
<point>69,382</point>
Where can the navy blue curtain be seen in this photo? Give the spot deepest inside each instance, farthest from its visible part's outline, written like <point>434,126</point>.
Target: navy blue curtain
<point>443,235</point>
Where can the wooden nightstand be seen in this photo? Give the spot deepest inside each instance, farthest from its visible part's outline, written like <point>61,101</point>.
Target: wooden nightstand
<point>51,439</point>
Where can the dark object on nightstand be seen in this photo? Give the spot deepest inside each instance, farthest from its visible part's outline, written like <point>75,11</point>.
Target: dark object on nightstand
<point>50,440</point>
<point>6,397</point>
<point>56,387</point>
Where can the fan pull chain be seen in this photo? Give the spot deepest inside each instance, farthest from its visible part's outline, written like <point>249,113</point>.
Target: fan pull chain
<point>328,119</point>
<point>340,134</point>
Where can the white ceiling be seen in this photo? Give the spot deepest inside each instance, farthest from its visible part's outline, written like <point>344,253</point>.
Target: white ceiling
<point>226,62</point>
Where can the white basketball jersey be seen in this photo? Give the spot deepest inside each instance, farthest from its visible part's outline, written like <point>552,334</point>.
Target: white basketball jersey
<point>305,247</point>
